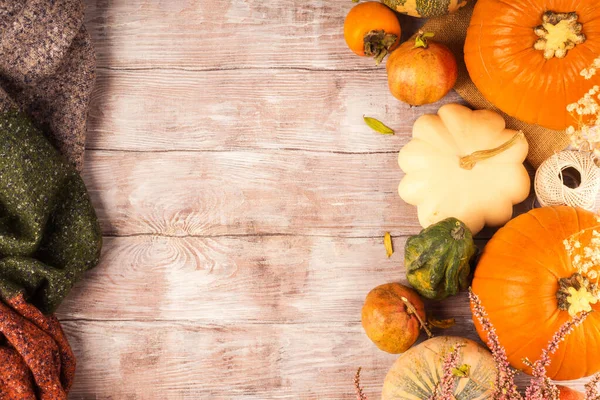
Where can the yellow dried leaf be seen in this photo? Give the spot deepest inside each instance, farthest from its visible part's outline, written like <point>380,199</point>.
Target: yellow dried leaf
<point>462,372</point>
<point>387,242</point>
<point>441,323</point>
<point>378,126</point>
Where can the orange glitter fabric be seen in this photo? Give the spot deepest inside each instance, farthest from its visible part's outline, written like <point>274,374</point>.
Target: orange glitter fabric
<point>36,361</point>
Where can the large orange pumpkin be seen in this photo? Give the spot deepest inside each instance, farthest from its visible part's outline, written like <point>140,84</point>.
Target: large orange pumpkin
<point>525,56</point>
<point>519,279</point>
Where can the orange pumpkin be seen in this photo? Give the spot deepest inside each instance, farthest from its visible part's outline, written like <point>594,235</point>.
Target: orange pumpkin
<point>522,279</point>
<point>526,56</point>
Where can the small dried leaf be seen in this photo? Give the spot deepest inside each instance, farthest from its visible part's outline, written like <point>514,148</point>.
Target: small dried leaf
<point>387,242</point>
<point>355,1</point>
<point>378,126</point>
<point>462,372</point>
<point>441,323</point>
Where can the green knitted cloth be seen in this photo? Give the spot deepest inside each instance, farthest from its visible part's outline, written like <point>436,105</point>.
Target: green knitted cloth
<point>49,233</point>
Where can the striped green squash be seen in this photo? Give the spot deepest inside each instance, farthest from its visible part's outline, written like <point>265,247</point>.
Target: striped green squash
<point>418,371</point>
<point>425,8</point>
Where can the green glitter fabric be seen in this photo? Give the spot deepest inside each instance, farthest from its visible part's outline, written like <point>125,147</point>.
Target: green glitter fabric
<point>49,233</point>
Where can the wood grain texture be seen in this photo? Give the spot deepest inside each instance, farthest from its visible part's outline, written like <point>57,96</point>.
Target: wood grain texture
<point>244,204</point>
<point>178,360</point>
<point>248,193</point>
<point>259,279</point>
<point>157,110</point>
<point>223,34</point>
<point>186,360</point>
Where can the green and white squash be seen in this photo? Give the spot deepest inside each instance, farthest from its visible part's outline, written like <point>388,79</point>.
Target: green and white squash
<point>418,371</point>
<point>425,8</point>
<point>437,260</point>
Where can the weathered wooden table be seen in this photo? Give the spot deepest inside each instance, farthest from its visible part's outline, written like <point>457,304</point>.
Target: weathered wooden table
<point>243,203</point>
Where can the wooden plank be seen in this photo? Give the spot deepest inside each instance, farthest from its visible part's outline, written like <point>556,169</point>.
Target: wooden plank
<point>259,279</point>
<point>229,110</point>
<point>176,360</point>
<point>134,360</point>
<point>248,193</point>
<point>223,34</point>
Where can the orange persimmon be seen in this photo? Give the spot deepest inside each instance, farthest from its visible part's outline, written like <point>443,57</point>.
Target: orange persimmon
<point>372,29</point>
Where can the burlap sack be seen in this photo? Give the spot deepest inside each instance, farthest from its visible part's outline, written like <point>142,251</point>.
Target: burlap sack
<point>451,30</point>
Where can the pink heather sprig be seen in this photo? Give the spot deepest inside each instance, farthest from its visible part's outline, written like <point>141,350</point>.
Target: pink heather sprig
<point>541,388</point>
<point>591,388</point>
<point>360,395</point>
<point>445,389</point>
<point>505,388</point>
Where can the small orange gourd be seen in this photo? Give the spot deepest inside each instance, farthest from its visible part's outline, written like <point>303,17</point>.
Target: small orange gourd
<point>524,280</point>
<point>526,56</point>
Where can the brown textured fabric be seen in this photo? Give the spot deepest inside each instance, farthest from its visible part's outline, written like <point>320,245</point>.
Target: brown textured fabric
<point>451,30</point>
<point>36,361</point>
<point>47,68</point>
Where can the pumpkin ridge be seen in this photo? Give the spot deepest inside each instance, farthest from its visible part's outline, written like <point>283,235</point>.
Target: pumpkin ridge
<point>539,223</point>
<point>562,354</point>
<point>535,338</point>
<point>507,307</point>
<point>567,345</point>
<point>509,58</point>
<point>507,227</point>
<point>563,234</point>
<point>519,283</point>
<point>512,5</point>
<point>515,79</point>
<point>579,339</point>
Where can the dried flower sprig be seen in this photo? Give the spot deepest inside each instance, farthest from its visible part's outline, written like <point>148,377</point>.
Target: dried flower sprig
<point>586,135</point>
<point>360,395</point>
<point>505,388</point>
<point>445,388</point>
<point>591,388</point>
<point>541,388</point>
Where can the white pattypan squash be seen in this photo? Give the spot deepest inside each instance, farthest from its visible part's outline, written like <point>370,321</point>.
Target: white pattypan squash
<point>464,164</point>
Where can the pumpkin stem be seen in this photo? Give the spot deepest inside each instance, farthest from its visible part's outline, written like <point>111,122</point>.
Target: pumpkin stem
<point>378,44</point>
<point>421,39</point>
<point>558,33</point>
<point>576,294</point>
<point>413,310</point>
<point>469,161</point>
<point>458,233</point>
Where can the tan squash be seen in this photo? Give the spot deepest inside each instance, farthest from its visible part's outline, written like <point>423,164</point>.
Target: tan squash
<point>417,372</point>
<point>464,164</point>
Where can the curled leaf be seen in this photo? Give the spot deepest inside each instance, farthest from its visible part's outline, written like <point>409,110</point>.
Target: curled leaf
<point>378,126</point>
<point>462,372</point>
<point>441,323</point>
<point>387,242</point>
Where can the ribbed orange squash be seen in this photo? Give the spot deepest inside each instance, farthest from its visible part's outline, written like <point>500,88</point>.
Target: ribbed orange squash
<point>512,55</point>
<point>517,280</point>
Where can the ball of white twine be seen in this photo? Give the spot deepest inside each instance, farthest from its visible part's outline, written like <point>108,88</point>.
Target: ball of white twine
<point>550,187</point>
